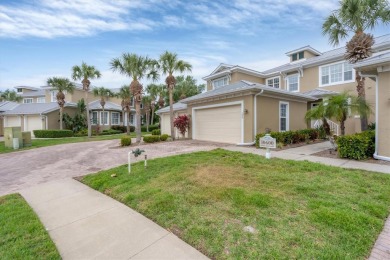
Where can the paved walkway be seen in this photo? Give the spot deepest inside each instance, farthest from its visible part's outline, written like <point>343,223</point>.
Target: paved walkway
<point>86,224</point>
<point>381,249</point>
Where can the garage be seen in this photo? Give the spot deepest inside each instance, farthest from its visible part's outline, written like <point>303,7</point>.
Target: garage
<point>222,123</point>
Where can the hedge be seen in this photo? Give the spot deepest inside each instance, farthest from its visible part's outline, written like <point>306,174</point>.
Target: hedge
<point>164,137</point>
<point>357,146</point>
<point>156,132</point>
<point>292,137</point>
<point>52,133</point>
<point>125,141</point>
<point>151,138</point>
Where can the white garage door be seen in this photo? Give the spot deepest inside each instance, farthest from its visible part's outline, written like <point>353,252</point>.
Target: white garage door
<point>12,121</point>
<point>219,124</point>
<point>33,123</point>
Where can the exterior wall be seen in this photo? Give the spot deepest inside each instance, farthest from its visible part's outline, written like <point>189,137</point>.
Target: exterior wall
<point>248,117</point>
<point>268,114</point>
<point>383,123</point>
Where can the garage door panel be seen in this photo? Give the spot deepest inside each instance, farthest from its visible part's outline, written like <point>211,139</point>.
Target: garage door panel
<point>220,124</point>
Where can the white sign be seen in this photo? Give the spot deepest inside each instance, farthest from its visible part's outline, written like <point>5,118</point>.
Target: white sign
<point>267,142</point>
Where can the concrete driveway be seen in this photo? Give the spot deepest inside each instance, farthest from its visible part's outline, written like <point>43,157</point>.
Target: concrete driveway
<point>24,169</point>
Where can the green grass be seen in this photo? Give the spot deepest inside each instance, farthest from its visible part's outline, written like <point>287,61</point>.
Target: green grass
<point>299,209</point>
<point>22,236</point>
<point>37,143</point>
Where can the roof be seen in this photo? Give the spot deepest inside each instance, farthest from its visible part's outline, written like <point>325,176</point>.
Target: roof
<point>318,92</point>
<point>305,48</point>
<point>95,105</point>
<point>377,58</point>
<point>176,107</point>
<point>8,105</point>
<point>244,85</point>
<point>36,108</point>
<point>36,93</point>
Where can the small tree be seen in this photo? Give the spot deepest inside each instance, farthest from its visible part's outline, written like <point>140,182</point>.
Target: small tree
<point>182,123</point>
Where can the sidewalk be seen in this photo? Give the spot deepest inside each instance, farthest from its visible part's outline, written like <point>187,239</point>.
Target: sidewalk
<point>85,224</point>
<point>381,249</point>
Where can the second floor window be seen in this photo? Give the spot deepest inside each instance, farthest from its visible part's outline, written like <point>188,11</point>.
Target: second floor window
<point>336,74</point>
<point>220,82</point>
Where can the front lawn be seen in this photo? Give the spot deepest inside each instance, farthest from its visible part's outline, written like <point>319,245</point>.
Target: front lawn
<point>22,236</point>
<point>37,143</point>
<point>297,209</point>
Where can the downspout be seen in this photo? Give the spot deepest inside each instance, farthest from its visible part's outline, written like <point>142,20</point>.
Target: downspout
<point>376,156</point>
<point>255,120</point>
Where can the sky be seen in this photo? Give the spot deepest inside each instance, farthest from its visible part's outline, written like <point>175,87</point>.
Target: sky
<point>45,38</point>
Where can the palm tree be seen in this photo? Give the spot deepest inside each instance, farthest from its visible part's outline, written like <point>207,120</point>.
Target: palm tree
<point>340,107</point>
<point>357,16</point>
<point>61,85</point>
<point>85,73</point>
<point>153,91</point>
<point>169,64</point>
<point>124,94</point>
<point>10,95</point>
<point>136,67</point>
<point>103,93</point>
<point>147,101</point>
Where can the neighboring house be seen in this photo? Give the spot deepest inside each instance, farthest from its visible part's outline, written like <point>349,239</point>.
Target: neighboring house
<point>4,107</point>
<point>377,68</point>
<point>36,116</point>
<point>241,102</point>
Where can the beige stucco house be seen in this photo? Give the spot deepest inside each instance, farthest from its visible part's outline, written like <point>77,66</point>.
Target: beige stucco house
<point>241,102</point>
<point>377,68</point>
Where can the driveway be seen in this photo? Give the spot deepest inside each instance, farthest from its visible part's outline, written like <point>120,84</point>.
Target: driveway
<point>24,169</point>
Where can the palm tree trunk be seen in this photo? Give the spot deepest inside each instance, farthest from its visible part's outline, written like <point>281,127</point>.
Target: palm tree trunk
<point>170,90</point>
<point>128,120</point>
<point>138,116</point>
<point>362,94</point>
<point>88,115</point>
<point>61,112</point>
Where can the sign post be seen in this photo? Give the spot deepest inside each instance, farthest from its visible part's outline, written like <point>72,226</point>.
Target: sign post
<point>267,142</point>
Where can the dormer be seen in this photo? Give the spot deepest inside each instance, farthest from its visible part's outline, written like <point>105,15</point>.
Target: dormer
<point>303,53</point>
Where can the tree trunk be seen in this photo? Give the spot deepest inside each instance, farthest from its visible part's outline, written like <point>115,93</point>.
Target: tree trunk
<point>88,115</point>
<point>128,120</point>
<point>362,94</point>
<point>138,116</point>
<point>61,112</point>
<point>170,89</point>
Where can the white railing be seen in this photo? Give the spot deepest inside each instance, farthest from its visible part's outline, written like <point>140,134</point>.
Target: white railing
<point>334,127</point>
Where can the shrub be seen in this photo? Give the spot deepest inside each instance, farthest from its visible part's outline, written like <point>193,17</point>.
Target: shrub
<point>151,128</point>
<point>122,128</point>
<point>111,132</point>
<point>156,132</point>
<point>125,140</point>
<point>164,137</point>
<point>357,146</point>
<point>151,138</point>
<point>52,133</point>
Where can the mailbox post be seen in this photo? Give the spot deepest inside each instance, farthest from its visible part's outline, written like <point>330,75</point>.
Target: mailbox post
<point>268,142</point>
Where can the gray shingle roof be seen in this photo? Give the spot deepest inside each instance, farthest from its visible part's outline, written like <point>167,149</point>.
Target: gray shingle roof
<point>36,108</point>
<point>318,93</point>
<point>244,85</point>
<point>7,105</point>
<point>177,106</point>
<point>95,105</point>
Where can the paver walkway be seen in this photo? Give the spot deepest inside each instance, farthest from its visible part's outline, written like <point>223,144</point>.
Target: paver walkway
<point>86,224</point>
<point>381,249</point>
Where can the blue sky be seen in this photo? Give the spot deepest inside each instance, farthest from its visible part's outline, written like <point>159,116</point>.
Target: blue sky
<point>45,38</point>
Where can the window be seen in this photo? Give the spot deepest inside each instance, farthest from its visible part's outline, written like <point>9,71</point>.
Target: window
<point>220,82</point>
<point>104,118</point>
<point>41,100</point>
<point>94,118</point>
<point>336,73</point>
<point>115,118</point>
<point>27,100</point>
<point>274,82</point>
<point>283,117</point>
<point>293,83</point>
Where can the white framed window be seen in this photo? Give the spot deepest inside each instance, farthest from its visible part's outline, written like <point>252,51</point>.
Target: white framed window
<point>27,100</point>
<point>217,83</point>
<point>284,116</point>
<point>104,118</point>
<point>336,73</point>
<point>114,118</point>
<point>292,83</point>
<point>94,118</point>
<point>273,82</point>
<point>41,100</point>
